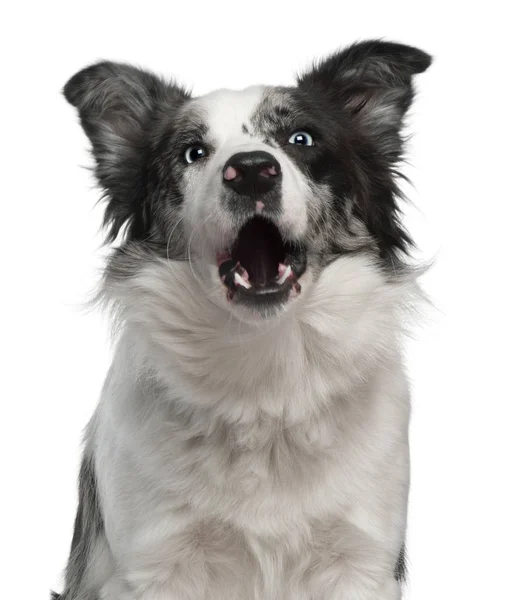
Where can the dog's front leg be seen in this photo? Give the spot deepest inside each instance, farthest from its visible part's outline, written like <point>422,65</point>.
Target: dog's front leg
<point>347,564</point>
<point>203,560</point>
<point>178,587</point>
<point>116,589</point>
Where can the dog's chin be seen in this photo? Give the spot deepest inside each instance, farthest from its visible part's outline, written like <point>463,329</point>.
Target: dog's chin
<point>253,308</point>
<point>264,307</point>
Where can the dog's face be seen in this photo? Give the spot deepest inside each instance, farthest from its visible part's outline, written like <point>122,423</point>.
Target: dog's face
<point>239,160</point>
<point>259,189</point>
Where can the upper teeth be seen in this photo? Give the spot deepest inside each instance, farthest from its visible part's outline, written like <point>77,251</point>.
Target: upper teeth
<point>285,275</point>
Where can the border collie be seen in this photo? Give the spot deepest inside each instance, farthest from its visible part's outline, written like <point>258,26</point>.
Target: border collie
<point>251,441</point>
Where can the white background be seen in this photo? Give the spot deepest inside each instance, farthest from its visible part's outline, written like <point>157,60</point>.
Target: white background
<point>54,355</point>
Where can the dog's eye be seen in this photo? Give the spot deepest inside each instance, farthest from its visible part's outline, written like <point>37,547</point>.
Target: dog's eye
<point>301,138</point>
<point>194,153</point>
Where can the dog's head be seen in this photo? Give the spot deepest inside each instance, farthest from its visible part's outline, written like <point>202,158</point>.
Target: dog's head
<point>260,189</point>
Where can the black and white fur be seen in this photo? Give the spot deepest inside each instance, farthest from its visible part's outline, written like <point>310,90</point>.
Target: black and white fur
<point>250,446</point>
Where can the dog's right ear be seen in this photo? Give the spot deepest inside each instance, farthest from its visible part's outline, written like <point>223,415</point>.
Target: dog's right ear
<point>117,103</point>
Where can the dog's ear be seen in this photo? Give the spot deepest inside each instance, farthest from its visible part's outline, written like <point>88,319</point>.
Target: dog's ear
<point>117,104</point>
<point>370,85</point>
<point>372,80</point>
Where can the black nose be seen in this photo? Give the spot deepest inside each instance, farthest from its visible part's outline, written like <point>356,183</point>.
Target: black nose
<point>252,173</point>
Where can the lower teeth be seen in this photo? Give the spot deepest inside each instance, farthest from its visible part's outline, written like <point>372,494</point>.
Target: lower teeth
<point>285,275</point>
<point>231,271</point>
<point>241,281</point>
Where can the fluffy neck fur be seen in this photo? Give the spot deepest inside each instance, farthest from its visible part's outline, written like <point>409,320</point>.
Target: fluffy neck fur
<point>328,344</point>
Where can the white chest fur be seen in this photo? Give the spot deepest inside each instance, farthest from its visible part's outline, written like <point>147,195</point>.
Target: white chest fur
<point>271,454</point>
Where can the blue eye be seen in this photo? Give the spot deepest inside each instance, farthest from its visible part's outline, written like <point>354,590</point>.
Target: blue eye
<point>301,138</point>
<point>194,153</point>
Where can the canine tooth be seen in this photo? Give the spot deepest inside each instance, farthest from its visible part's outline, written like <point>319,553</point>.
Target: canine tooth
<point>244,274</point>
<point>241,281</point>
<point>281,268</point>
<point>285,275</point>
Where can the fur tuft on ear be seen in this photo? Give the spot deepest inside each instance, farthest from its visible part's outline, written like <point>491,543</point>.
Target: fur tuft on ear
<point>117,104</point>
<point>372,80</point>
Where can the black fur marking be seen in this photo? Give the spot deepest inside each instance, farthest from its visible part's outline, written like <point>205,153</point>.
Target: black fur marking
<point>401,566</point>
<point>358,98</point>
<point>120,108</point>
<point>245,129</point>
<point>88,529</point>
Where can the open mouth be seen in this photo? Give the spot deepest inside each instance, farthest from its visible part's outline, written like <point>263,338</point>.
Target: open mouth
<point>261,269</point>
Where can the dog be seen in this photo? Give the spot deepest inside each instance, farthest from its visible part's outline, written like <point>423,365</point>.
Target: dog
<point>251,441</point>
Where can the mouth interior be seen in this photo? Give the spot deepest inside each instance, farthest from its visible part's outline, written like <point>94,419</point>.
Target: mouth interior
<point>259,248</point>
<point>261,268</point>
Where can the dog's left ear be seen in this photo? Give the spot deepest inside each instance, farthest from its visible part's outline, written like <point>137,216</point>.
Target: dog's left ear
<point>372,80</point>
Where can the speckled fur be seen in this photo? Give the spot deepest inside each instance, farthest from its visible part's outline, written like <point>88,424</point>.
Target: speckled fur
<point>250,458</point>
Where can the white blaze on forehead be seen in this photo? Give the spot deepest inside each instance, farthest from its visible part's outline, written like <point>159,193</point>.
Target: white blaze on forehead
<point>226,111</point>
<point>227,116</point>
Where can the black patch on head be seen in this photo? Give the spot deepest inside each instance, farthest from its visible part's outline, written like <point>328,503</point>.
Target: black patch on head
<point>120,109</point>
<point>167,162</point>
<point>357,99</point>
<point>245,129</point>
<point>401,566</point>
